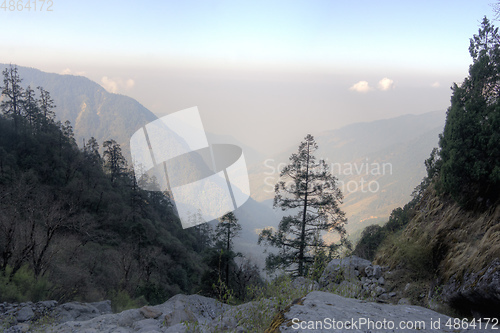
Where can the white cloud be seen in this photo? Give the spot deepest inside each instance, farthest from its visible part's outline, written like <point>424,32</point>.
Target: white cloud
<point>385,84</point>
<point>68,71</point>
<point>109,84</point>
<point>435,85</point>
<point>130,83</point>
<point>114,85</point>
<point>361,86</point>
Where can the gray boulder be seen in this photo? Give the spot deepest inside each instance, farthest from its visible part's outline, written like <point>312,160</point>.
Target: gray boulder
<point>349,289</point>
<point>404,301</point>
<point>191,308</point>
<point>167,317</point>
<point>53,304</point>
<point>369,271</point>
<point>304,284</point>
<point>104,307</point>
<point>325,312</point>
<point>379,291</point>
<point>354,277</point>
<point>25,314</point>
<point>240,318</point>
<point>150,312</point>
<point>76,311</point>
<point>377,271</point>
<point>349,268</point>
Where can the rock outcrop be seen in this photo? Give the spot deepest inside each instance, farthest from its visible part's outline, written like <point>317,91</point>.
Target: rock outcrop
<point>325,312</point>
<point>478,293</point>
<point>171,316</point>
<point>318,311</point>
<point>20,317</point>
<point>356,278</point>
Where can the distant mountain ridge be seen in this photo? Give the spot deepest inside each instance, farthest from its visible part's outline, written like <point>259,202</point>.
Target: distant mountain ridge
<point>355,140</point>
<point>400,143</point>
<point>91,109</point>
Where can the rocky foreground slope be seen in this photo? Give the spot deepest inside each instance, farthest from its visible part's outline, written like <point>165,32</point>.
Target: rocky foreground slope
<point>365,310</point>
<point>316,312</point>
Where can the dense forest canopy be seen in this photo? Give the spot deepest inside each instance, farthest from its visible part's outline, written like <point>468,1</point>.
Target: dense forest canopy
<point>77,218</point>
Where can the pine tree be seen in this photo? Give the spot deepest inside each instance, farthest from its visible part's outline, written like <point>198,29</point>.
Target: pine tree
<point>310,192</point>
<point>225,232</point>
<point>227,229</point>
<point>46,105</point>
<point>13,94</point>
<point>470,143</point>
<point>113,159</point>
<point>30,109</point>
<point>91,151</point>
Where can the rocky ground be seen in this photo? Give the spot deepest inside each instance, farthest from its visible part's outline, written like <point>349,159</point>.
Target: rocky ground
<point>351,295</point>
<point>24,317</point>
<point>326,312</point>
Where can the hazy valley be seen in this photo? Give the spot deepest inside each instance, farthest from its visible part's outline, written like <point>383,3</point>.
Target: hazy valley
<point>386,155</point>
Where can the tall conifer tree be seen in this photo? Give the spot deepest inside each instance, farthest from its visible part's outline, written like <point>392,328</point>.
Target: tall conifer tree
<point>309,191</point>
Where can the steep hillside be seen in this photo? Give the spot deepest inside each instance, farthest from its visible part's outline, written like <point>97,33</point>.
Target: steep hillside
<point>91,110</point>
<point>447,246</point>
<point>75,227</point>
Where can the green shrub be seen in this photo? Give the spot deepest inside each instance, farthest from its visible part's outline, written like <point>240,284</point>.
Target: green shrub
<point>371,238</point>
<point>23,286</point>
<point>121,301</point>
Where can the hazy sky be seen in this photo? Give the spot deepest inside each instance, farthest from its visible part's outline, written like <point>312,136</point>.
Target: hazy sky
<point>266,72</point>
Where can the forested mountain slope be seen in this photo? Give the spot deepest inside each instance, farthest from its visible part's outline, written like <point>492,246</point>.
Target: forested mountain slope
<point>75,225</point>
<point>92,111</point>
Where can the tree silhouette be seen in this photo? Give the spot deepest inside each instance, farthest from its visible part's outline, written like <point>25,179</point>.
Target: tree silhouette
<point>114,161</point>
<point>310,192</point>
<point>13,93</point>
